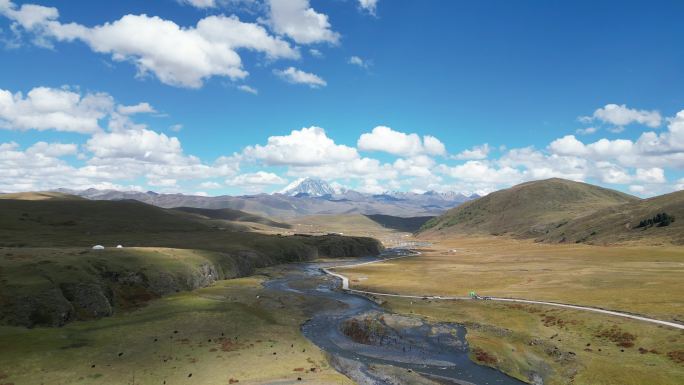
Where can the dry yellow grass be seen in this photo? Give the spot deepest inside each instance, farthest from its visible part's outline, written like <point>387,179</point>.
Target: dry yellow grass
<point>234,329</point>
<point>645,280</point>
<point>352,224</point>
<point>525,339</point>
<point>560,345</point>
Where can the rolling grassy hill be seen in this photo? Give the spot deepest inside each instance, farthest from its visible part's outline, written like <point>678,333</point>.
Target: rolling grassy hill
<point>40,196</point>
<point>231,215</point>
<point>527,210</point>
<point>407,224</point>
<point>620,223</point>
<point>49,275</point>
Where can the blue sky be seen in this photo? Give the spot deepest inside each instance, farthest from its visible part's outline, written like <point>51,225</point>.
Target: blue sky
<point>245,96</point>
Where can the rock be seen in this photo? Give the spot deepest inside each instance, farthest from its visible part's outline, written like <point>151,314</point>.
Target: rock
<point>88,300</point>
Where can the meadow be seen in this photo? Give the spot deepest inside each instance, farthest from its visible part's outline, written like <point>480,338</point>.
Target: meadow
<point>233,331</point>
<point>561,346</point>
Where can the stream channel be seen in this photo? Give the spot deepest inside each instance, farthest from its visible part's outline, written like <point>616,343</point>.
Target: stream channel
<point>359,334</point>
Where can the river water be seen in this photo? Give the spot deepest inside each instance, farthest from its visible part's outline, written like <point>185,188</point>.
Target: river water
<point>438,351</point>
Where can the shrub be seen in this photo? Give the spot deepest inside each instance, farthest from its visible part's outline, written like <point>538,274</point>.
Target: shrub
<point>659,220</point>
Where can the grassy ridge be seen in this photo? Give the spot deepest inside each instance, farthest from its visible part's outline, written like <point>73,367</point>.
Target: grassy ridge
<point>526,210</point>
<point>620,223</point>
<point>408,224</point>
<point>50,276</point>
<point>232,215</point>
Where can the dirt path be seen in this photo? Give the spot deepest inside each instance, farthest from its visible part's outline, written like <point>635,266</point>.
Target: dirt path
<point>413,253</point>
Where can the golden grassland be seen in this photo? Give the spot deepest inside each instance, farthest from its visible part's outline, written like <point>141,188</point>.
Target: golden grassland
<point>645,280</point>
<point>347,224</point>
<point>561,345</point>
<point>232,330</point>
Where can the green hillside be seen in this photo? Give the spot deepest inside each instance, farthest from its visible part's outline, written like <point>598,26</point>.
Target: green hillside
<point>231,215</point>
<point>619,224</point>
<point>50,275</point>
<point>407,224</point>
<point>527,210</point>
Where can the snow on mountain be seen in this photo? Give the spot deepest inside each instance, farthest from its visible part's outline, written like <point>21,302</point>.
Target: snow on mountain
<point>309,187</point>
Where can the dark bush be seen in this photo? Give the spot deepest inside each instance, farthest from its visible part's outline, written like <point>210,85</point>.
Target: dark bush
<point>659,220</point>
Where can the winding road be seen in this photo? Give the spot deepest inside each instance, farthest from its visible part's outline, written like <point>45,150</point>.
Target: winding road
<point>413,253</point>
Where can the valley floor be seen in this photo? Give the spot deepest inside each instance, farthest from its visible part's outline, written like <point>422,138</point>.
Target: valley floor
<point>559,345</point>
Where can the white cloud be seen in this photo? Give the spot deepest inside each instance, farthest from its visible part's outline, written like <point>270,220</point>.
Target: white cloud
<point>482,172</point>
<point>568,145</point>
<point>418,166</point>
<point>202,4</point>
<point>621,115</point>
<point>296,19</point>
<point>140,108</point>
<point>650,175</point>
<point>261,178</point>
<point>369,6</point>
<point>357,61</point>
<point>54,150</point>
<point>586,131</point>
<point>385,139</point>
<point>248,89</point>
<point>176,127</point>
<point>351,168</point>
<point>680,185</point>
<point>176,55</point>
<point>28,16</point>
<point>475,153</point>
<point>315,53</point>
<point>306,147</point>
<point>295,76</point>
<point>53,109</point>
<point>142,145</point>
<point>210,185</point>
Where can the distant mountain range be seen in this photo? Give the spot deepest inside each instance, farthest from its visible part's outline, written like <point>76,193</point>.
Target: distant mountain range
<point>303,197</point>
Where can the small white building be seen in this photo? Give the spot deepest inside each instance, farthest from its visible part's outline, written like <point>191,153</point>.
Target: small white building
<point>98,247</point>
<point>119,247</point>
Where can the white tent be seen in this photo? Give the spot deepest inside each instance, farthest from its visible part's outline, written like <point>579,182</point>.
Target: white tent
<point>119,247</point>
<point>98,247</point>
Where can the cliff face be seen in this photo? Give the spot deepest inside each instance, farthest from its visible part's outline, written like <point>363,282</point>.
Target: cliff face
<point>51,287</point>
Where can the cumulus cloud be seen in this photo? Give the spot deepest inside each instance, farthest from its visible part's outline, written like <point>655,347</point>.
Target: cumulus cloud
<point>176,55</point>
<point>256,180</point>
<point>418,166</point>
<point>650,175</point>
<point>142,145</point>
<point>357,61</point>
<point>306,147</point>
<point>248,89</point>
<point>297,20</point>
<point>358,168</point>
<point>296,76</point>
<point>475,153</point>
<point>385,139</point>
<point>202,4</point>
<point>621,115</point>
<point>483,172</point>
<point>369,6</point>
<point>46,108</point>
<point>140,108</point>
<point>586,131</point>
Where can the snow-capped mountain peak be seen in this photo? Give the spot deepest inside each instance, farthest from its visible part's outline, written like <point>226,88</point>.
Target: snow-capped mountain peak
<point>309,186</point>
